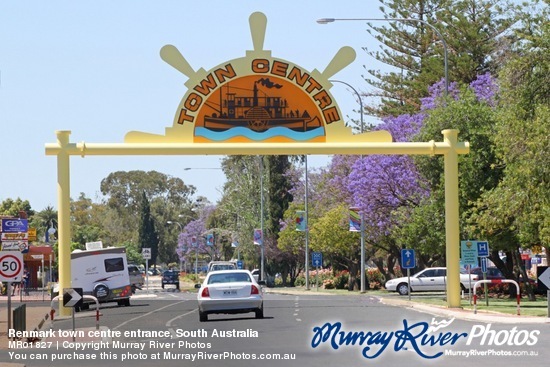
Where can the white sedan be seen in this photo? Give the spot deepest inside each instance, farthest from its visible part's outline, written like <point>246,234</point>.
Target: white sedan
<point>429,279</point>
<point>230,292</point>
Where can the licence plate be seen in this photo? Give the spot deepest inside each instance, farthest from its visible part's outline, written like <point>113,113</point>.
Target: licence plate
<point>229,293</point>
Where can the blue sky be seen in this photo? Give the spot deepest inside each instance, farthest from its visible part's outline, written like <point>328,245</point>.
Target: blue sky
<point>93,67</point>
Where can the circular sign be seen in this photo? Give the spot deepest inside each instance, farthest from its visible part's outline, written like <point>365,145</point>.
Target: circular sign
<point>11,266</point>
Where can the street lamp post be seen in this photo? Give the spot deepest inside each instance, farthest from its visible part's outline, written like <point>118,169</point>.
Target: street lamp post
<point>262,274</point>
<point>307,227</point>
<point>403,20</point>
<point>361,214</point>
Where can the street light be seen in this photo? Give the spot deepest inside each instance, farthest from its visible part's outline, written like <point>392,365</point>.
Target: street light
<point>262,274</point>
<point>361,217</point>
<point>307,226</point>
<point>403,20</point>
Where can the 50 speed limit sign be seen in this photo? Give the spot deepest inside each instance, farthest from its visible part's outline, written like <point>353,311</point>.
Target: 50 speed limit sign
<point>11,266</point>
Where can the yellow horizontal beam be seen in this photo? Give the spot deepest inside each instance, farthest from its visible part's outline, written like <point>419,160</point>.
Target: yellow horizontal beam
<point>87,149</point>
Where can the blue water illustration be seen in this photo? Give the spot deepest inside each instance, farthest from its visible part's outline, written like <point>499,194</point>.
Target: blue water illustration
<point>259,136</point>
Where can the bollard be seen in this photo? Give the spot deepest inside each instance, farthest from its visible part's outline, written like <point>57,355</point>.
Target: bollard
<point>20,318</point>
<point>496,281</point>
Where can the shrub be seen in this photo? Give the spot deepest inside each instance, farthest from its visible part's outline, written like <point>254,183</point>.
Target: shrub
<point>341,281</point>
<point>375,278</point>
<point>300,280</point>
<point>328,284</point>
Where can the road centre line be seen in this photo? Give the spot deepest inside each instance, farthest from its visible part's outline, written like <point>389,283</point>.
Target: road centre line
<point>169,322</point>
<point>147,314</point>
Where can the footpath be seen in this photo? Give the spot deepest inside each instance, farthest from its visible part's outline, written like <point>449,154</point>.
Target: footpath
<point>37,314</point>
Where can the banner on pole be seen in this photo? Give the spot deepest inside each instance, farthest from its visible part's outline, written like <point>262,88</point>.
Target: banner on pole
<point>258,237</point>
<point>354,220</point>
<point>300,220</point>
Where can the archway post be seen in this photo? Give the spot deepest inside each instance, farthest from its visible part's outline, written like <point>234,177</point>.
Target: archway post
<point>64,216</point>
<point>452,230</point>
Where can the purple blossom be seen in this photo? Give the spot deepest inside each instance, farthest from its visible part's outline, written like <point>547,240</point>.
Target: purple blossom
<point>404,127</point>
<point>437,91</point>
<point>485,88</point>
<point>381,184</point>
<point>192,236</point>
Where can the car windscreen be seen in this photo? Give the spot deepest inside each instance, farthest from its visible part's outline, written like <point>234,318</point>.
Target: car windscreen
<point>229,278</point>
<point>222,267</point>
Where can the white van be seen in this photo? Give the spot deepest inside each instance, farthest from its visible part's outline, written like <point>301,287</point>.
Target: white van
<point>102,273</point>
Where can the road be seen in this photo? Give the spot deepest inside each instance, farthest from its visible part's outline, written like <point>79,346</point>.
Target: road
<point>292,326</point>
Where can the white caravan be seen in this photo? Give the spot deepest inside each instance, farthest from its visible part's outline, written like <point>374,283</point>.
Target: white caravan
<point>102,273</point>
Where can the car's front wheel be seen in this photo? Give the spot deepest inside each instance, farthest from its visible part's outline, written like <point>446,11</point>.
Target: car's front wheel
<point>403,289</point>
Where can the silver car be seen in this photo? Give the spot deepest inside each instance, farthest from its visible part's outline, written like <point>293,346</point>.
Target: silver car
<point>230,292</point>
<point>429,279</point>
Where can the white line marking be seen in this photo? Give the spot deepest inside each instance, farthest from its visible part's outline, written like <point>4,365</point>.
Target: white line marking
<point>147,314</point>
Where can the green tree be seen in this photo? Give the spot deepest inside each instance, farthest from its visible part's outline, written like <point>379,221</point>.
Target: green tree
<point>239,208</point>
<point>125,189</point>
<point>473,31</point>
<point>517,211</point>
<point>331,236</point>
<point>147,234</point>
<point>291,243</point>
<point>12,207</point>
<point>44,220</point>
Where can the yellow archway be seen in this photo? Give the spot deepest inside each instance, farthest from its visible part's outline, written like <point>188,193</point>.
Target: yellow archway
<point>254,105</point>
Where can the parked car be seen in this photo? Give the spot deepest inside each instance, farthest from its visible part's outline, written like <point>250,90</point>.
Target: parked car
<point>221,265</point>
<point>429,279</point>
<point>230,292</point>
<point>136,277</point>
<point>492,273</point>
<point>171,277</point>
<point>256,274</point>
<point>154,271</point>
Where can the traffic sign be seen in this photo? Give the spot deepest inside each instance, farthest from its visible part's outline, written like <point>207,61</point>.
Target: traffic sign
<point>483,264</point>
<point>317,259</point>
<point>11,266</point>
<point>543,278</point>
<point>240,264</point>
<point>482,248</point>
<point>146,253</point>
<point>468,253</point>
<point>408,259</point>
<point>72,297</point>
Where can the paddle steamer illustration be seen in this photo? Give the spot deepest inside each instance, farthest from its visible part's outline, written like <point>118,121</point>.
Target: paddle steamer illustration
<point>241,107</point>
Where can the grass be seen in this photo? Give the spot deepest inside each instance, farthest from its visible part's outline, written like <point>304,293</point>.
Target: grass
<point>502,305</point>
<point>539,307</point>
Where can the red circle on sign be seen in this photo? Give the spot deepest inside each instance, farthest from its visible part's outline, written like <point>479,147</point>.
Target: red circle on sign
<point>17,270</point>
